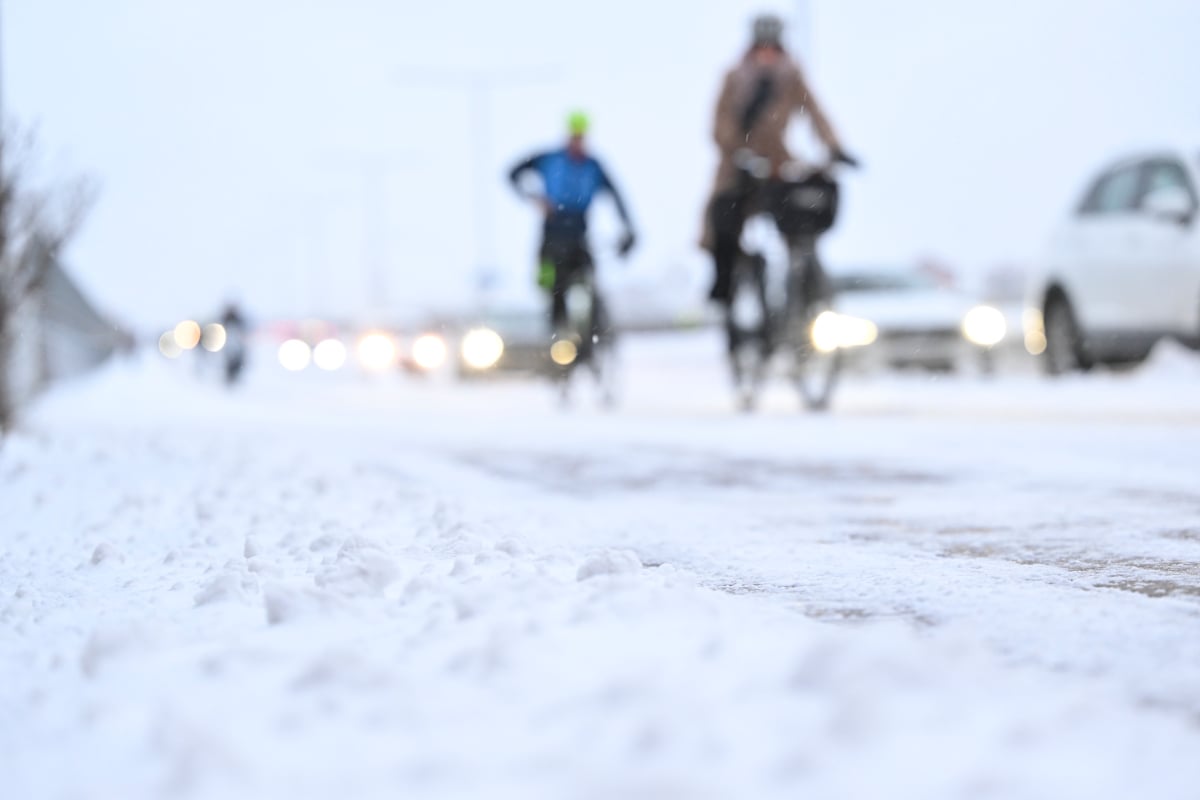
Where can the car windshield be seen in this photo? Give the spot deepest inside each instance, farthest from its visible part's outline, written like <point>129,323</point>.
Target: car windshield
<point>516,324</point>
<point>882,282</point>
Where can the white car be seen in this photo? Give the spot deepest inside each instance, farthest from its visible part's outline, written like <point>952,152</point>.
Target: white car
<point>917,320</point>
<point>1123,271</point>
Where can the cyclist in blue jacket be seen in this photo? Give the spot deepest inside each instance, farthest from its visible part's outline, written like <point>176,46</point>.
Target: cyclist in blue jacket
<point>570,180</point>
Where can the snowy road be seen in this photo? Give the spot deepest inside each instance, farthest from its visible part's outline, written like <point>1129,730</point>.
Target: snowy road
<point>328,587</point>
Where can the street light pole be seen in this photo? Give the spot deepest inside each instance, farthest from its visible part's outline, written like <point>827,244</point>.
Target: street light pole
<point>802,32</point>
<point>479,92</point>
<point>2,126</point>
<point>479,86</point>
<point>373,170</point>
<point>1,67</point>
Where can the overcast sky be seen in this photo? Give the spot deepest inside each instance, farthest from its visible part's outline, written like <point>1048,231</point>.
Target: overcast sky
<point>318,157</point>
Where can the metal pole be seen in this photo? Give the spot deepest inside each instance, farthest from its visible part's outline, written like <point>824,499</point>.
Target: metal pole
<point>479,85</point>
<point>371,172</point>
<point>801,38</point>
<point>2,126</point>
<point>484,251</point>
<point>375,213</point>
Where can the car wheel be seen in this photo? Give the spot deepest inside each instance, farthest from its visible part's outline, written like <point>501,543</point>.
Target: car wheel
<point>1194,341</point>
<point>1064,342</point>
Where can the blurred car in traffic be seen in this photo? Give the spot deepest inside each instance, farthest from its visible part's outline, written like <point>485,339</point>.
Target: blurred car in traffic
<point>1123,270</point>
<point>515,341</point>
<point>336,346</point>
<point>919,321</point>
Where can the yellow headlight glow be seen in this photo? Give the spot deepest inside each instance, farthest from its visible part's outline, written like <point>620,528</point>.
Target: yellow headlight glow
<point>187,334</point>
<point>564,352</point>
<point>1035,332</point>
<point>429,351</point>
<point>377,351</point>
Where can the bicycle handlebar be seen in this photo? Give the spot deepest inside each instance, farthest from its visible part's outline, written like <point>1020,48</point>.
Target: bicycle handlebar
<point>760,168</point>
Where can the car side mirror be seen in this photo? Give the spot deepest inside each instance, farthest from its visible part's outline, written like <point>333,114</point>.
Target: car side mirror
<point>1173,203</point>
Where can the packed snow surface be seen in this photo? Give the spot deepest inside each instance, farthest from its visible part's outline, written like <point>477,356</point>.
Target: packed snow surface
<point>345,586</point>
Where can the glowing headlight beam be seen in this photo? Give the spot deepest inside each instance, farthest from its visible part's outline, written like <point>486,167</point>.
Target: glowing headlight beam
<point>984,326</point>
<point>1035,343</point>
<point>831,331</point>
<point>167,345</point>
<point>214,337</point>
<point>377,351</point>
<point>294,355</point>
<point>1035,332</point>
<point>856,332</point>
<point>329,354</point>
<point>429,351</point>
<point>564,352</point>
<point>482,348</point>
<point>825,335</point>
<point>187,334</point>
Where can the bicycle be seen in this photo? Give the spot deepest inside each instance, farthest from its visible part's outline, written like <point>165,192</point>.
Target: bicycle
<point>588,340</point>
<point>788,213</point>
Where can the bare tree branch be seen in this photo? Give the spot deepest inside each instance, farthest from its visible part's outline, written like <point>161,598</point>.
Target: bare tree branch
<point>36,223</point>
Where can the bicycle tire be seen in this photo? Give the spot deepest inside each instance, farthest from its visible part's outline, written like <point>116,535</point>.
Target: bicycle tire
<point>602,361</point>
<point>569,349</point>
<point>747,329</point>
<point>592,349</point>
<point>814,370</point>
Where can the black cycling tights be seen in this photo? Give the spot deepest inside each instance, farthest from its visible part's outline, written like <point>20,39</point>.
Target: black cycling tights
<point>569,256</point>
<point>728,216</point>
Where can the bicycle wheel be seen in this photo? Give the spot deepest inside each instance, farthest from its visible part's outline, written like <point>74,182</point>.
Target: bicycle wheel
<point>602,359</point>
<point>746,326</point>
<point>563,356</point>
<point>586,343</point>
<point>812,335</point>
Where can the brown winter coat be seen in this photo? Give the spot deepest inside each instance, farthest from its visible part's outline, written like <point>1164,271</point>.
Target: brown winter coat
<point>767,137</point>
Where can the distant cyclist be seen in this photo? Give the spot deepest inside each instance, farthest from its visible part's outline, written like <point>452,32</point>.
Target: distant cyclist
<point>235,326</point>
<point>569,179</point>
<point>758,98</point>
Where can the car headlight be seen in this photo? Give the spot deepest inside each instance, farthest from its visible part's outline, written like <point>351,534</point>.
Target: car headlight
<point>187,334</point>
<point>329,354</point>
<point>831,331</point>
<point>377,351</point>
<point>564,352</point>
<point>482,348</point>
<point>168,346</point>
<point>984,326</point>
<point>1035,331</point>
<point>294,354</point>
<point>214,337</point>
<point>429,351</point>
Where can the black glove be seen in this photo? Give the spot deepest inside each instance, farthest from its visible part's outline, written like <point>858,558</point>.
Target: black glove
<point>842,157</point>
<point>626,244</point>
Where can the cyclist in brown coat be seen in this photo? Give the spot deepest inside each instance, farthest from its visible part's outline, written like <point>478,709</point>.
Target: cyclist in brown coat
<point>758,99</point>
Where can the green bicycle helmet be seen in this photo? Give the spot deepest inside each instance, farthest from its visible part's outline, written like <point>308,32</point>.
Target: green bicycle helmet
<point>578,123</point>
